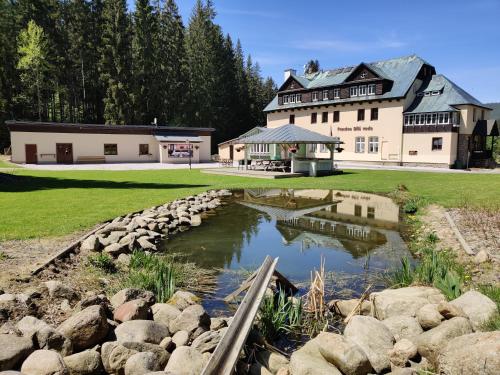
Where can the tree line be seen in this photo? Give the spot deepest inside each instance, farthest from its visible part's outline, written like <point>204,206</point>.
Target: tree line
<point>94,61</point>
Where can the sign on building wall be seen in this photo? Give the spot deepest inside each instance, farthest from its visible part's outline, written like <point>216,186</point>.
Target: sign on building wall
<point>180,150</point>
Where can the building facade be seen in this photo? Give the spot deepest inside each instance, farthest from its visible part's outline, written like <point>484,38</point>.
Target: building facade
<point>396,111</point>
<point>49,143</point>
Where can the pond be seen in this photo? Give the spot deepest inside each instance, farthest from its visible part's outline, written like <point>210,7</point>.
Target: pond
<point>356,233</point>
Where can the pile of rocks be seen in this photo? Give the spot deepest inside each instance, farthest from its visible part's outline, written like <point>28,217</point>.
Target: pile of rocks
<point>404,331</point>
<point>145,229</point>
<point>129,334</point>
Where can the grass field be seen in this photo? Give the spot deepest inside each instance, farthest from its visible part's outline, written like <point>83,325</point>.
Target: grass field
<point>42,203</point>
<point>6,164</point>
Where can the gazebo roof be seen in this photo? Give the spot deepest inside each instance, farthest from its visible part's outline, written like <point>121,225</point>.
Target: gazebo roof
<point>289,134</point>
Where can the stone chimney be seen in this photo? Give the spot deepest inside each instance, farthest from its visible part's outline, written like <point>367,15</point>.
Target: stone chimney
<point>289,72</point>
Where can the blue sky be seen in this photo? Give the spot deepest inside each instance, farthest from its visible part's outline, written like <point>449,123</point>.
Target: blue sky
<point>460,38</point>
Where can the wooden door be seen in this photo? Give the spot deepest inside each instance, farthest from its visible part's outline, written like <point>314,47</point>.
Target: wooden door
<point>231,152</point>
<point>31,154</point>
<point>64,153</point>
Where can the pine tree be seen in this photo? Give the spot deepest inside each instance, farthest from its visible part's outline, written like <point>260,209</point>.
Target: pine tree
<point>115,64</point>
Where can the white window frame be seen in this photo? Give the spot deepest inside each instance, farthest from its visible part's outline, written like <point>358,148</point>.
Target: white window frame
<point>371,89</point>
<point>353,91</point>
<point>292,98</point>
<point>298,98</point>
<point>373,145</point>
<point>440,144</point>
<point>434,118</point>
<point>285,99</point>
<point>313,147</point>
<point>336,93</point>
<point>434,93</point>
<point>428,119</point>
<point>314,96</point>
<point>325,94</point>
<point>362,90</point>
<point>411,119</point>
<point>407,120</point>
<point>323,148</point>
<point>359,145</point>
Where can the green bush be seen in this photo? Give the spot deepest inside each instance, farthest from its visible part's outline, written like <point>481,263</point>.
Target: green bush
<point>102,261</point>
<point>410,207</point>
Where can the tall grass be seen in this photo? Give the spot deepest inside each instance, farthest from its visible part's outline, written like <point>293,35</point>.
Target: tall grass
<point>493,292</point>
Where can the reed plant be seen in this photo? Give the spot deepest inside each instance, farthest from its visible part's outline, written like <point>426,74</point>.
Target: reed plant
<point>102,261</point>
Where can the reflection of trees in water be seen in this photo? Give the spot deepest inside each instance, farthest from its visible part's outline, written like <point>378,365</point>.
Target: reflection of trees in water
<point>220,238</point>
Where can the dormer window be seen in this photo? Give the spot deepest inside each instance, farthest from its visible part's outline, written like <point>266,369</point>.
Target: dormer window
<point>427,93</point>
<point>353,90</point>
<point>285,99</point>
<point>362,90</point>
<point>363,75</point>
<point>434,93</point>
<point>298,98</point>
<point>292,98</point>
<point>325,94</point>
<point>371,89</point>
<point>336,93</point>
<point>315,96</point>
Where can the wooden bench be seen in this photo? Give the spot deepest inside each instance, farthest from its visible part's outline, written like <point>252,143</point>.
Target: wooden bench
<point>90,159</point>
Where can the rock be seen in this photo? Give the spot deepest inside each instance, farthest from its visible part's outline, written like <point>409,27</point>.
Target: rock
<point>141,331</point>
<point>141,363</point>
<point>374,338</point>
<point>129,294</point>
<point>477,307</point>
<point>10,372</point>
<point>182,299</point>
<point>403,327</point>
<point>115,249</point>
<point>185,361</point>
<point>57,289</point>
<point>167,344</point>
<point>145,244</point>
<point>449,311</point>
<point>475,353</point>
<point>128,241</point>
<point>428,316</point>
<point>257,369</point>
<point>132,310</point>
<point>99,299</point>
<point>46,336</point>
<point>309,361</point>
<point>481,257</point>
<point>106,350</point>
<point>180,338</point>
<point>117,359</point>
<point>116,236</point>
<point>403,301</point>
<point>86,328</point>
<point>206,342</point>
<point>190,319</point>
<point>124,259</point>
<point>65,306</point>
<point>343,353</point>
<point>344,307</point>
<point>431,342</point>
<point>217,323</point>
<point>195,220</point>
<point>164,313</point>
<point>14,350</point>
<point>91,243</point>
<point>403,351</point>
<point>44,362</point>
<point>272,361</point>
<point>161,354</point>
<point>87,362</point>
<point>283,371</point>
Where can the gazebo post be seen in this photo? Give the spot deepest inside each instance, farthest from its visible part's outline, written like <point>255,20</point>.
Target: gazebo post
<point>245,156</point>
<point>332,150</point>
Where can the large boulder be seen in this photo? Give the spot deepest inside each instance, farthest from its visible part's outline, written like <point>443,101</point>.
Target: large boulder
<point>46,336</point>
<point>44,362</point>
<point>129,294</point>
<point>87,362</point>
<point>185,361</point>
<point>161,354</point>
<point>132,310</point>
<point>428,316</point>
<point>431,342</point>
<point>344,307</point>
<point>475,353</point>
<point>91,243</point>
<point>374,338</point>
<point>403,301</point>
<point>181,338</point>
<point>182,299</point>
<point>207,341</point>
<point>57,289</point>
<point>14,350</point>
<point>117,359</point>
<point>86,328</point>
<point>271,360</point>
<point>309,361</point>
<point>190,319</point>
<point>143,362</point>
<point>340,351</point>
<point>476,306</point>
<point>403,351</point>
<point>141,331</point>
<point>164,313</point>
<point>403,327</point>
<point>448,311</point>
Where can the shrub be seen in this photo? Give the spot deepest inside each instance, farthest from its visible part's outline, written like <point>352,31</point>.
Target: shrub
<point>432,238</point>
<point>102,261</point>
<point>410,207</point>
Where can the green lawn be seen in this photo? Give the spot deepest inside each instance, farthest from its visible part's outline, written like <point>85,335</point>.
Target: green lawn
<point>41,203</point>
<point>6,164</point>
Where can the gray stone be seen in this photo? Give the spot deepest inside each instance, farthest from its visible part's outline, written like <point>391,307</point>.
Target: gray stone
<point>117,359</point>
<point>44,362</point>
<point>91,243</point>
<point>273,361</point>
<point>180,338</point>
<point>431,342</point>
<point>190,319</point>
<point>403,351</point>
<point>403,327</point>
<point>116,249</point>
<point>195,220</point>
<point>143,362</point>
<point>57,289</point>
<point>145,244</point>
<point>374,338</point>
<point>207,341</point>
<point>14,350</point>
<point>481,257</point>
<point>87,362</point>
<point>129,294</point>
<point>428,316</point>
<point>476,353</point>
<point>344,307</point>
<point>115,236</point>
<point>132,310</point>
<point>217,323</point>
<point>141,331</point>
<point>185,361</point>
<point>182,299</point>
<point>164,313</point>
<point>128,241</point>
<point>106,350</point>
<point>86,328</point>
<point>92,300</point>
<point>340,351</point>
<point>449,311</point>
<point>124,259</point>
<point>309,361</point>
<point>46,336</point>
<point>477,307</point>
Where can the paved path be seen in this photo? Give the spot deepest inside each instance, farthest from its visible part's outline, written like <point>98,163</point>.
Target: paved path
<point>348,165</point>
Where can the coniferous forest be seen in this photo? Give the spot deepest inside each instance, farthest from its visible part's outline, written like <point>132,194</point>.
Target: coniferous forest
<point>95,61</point>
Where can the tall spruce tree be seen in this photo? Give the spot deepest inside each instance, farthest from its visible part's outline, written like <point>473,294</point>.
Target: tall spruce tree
<point>115,64</point>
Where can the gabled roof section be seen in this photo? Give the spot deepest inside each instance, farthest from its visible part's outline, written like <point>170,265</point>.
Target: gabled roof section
<point>450,95</point>
<point>301,81</point>
<point>288,134</point>
<point>378,73</point>
<point>495,114</point>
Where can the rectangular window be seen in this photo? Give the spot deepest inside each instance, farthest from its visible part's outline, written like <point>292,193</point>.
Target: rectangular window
<point>456,118</point>
<point>285,99</point>
<point>371,89</point>
<point>357,210</point>
<point>361,114</point>
<point>428,119</point>
<point>292,119</point>
<point>374,114</point>
<point>362,90</point>
<point>298,98</point>
<point>434,118</point>
<point>406,119</point>
<point>446,118</point>
<point>314,118</point>
<point>373,145</point>
<point>144,149</point>
<point>110,149</point>
<point>325,94</point>
<point>312,147</point>
<point>292,98</point>
<point>323,148</point>
<point>336,93</point>
<point>440,118</point>
<point>336,116</point>
<point>359,145</point>
<point>370,214</point>
<point>437,144</point>
<point>353,91</point>
<point>315,96</point>
<point>324,117</point>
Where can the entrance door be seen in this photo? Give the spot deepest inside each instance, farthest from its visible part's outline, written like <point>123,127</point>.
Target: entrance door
<point>31,154</point>
<point>64,153</point>
<point>231,152</point>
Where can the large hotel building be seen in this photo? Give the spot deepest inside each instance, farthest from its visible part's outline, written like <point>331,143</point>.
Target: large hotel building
<point>397,111</point>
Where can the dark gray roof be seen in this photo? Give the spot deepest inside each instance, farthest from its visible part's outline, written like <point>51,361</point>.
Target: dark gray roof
<point>289,134</point>
<point>495,114</point>
<point>402,71</point>
<point>449,95</point>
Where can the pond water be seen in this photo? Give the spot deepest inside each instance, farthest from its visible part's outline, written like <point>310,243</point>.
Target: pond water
<point>356,233</point>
